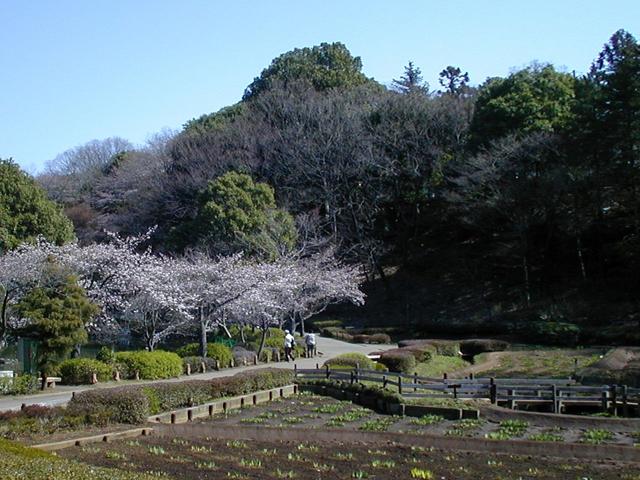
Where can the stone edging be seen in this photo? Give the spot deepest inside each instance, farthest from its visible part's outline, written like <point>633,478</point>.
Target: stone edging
<point>481,445</point>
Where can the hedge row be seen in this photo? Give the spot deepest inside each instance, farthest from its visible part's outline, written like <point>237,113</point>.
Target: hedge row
<point>215,351</point>
<point>351,360</point>
<point>18,462</point>
<point>154,365</point>
<point>350,336</point>
<point>134,403</point>
<point>80,370</point>
<point>362,389</point>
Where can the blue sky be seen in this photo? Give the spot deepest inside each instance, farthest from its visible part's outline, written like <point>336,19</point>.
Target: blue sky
<point>72,71</point>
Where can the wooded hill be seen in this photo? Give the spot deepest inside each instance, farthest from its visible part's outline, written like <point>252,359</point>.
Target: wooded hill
<point>510,207</point>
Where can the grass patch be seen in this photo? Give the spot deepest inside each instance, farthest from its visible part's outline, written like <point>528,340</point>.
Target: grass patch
<point>440,364</point>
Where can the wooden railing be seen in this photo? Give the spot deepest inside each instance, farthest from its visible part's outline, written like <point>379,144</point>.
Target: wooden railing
<point>510,392</point>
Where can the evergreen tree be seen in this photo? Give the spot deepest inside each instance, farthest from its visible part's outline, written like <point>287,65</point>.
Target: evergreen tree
<point>56,313</point>
<point>411,81</point>
<point>25,211</point>
<point>454,81</point>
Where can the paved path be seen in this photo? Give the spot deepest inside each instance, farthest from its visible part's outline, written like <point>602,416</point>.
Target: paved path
<point>327,348</point>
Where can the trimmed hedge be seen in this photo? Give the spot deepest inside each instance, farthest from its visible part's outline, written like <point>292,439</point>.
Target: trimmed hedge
<point>126,404</point>
<point>19,462</point>
<point>476,346</point>
<point>20,385</point>
<point>215,351</point>
<point>362,389</point>
<point>196,363</point>
<point>154,365</point>
<point>447,348</point>
<point>78,371</point>
<point>134,403</point>
<point>399,360</point>
<point>241,355</point>
<point>351,360</point>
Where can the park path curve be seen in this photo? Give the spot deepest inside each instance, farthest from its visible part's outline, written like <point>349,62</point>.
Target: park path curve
<point>327,348</point>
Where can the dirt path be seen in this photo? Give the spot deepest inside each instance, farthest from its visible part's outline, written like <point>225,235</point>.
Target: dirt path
<point>491,361</point>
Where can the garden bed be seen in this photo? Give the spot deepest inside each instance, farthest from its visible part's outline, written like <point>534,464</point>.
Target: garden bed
<point>208,458</point>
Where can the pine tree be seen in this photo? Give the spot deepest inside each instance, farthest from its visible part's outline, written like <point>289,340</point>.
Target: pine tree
<point>411,82</point>
<point>56,314</point>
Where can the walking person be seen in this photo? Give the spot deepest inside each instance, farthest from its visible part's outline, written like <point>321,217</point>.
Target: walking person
<point>289,343</point>
<point>310,341</point>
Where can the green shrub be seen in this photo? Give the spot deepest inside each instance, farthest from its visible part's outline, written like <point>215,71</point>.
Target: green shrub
<point>151,365</point>
<point>20,385</point>
<point>365,390</point>
<point>379,338</point>
<point>196,363</point>
<point>338,333</point>
<point>398,361</point>
<point>480,345</point>
<point>220,352</point>
<point>446,348</point>
<point>77,371</point>
<point>319,324</point>
<point>134,403</point>
<point>422,353</point>
<point>126,404</point>
<point>106,355</point>
<point>350,360</point>
<point>215,351</point>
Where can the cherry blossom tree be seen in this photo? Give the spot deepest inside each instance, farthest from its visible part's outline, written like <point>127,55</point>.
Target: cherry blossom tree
<point>322,280</point>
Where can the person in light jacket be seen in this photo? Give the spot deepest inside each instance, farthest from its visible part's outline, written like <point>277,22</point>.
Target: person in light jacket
<point>289,343</point>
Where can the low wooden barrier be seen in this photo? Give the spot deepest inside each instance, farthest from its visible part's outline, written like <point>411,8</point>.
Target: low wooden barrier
<point>555,394</point>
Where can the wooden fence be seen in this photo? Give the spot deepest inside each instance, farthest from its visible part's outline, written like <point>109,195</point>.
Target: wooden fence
<point>510,392</point>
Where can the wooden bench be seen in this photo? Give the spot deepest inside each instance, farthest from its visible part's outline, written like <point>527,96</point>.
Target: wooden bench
<point>51,382</point>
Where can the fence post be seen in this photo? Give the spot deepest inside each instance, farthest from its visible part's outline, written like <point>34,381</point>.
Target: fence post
<point>605,398</point>
<point>295,371</point>
<point>554,395</point>
<point>188,369</point>
<point>399,384</point>
<point>510,403</point>
<point>203,367</point>
<point>384,381</point>
<point>351,377</point>
<point>614,399</point>
<point>317,366</point>
<point>444,376</point>
<point>415,381</point>
<point>455,390</point>
<point>471,376</point>
<point>625,405</point>
<point>357,368</point>
<point>493,391</point>
<point>328,371</point>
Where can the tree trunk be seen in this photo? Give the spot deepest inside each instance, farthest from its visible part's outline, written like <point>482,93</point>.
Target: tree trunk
<point>525,269</point>
<point>43,377</point>
<point>3,318</point>
<point>262,340</point>
<point>583,269</point>
<point>203,334</point>
<point>242,337</point>
<point>302,326</point>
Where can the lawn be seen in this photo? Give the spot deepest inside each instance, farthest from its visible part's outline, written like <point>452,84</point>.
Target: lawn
<point>553,363</point>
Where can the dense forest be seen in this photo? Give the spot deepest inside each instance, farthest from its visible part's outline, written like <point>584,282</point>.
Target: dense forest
<point>513,206</point>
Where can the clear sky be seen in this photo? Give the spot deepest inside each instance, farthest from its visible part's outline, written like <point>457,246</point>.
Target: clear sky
<point>76,70</point>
